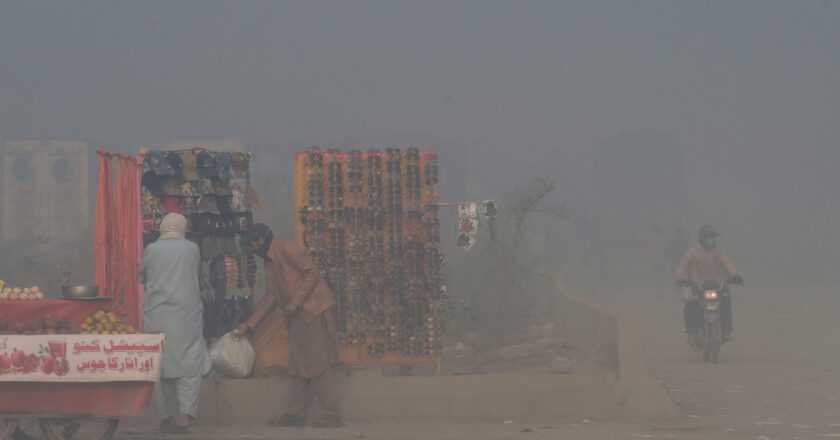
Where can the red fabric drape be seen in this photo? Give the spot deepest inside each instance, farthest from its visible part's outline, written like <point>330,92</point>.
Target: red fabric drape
<point>141,291</point>
<point>118,232</point>
<point>128,209</point>
<point>104,223</point>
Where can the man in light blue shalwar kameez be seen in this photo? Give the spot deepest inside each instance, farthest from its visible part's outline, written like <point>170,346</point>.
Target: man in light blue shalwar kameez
<point>172,305</point>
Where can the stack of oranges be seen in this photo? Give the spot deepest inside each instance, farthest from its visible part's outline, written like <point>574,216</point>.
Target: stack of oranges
<point>106,323</point>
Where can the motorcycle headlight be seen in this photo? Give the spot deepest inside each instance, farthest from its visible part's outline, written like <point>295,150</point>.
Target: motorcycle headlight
<point>710,294</point>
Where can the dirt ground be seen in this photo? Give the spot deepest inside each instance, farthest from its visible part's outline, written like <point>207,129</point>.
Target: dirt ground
<point>777,380</point>
<point>529,347</point>
<point>581,430</point>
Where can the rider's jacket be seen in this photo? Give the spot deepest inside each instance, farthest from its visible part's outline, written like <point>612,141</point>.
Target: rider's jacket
<point>701,264</point>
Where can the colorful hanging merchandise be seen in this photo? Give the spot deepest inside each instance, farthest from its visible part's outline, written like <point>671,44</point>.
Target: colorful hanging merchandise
<point>490,210</point>
<point>213,191</point>
<point>467,225</point>
<point>470,217</point>
<point>370,222</point>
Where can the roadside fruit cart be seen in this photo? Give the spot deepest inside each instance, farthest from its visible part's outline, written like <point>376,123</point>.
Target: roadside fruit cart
<point>71,368</point>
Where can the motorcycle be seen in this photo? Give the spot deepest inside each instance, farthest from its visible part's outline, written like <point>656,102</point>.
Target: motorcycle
<point>710,336</point>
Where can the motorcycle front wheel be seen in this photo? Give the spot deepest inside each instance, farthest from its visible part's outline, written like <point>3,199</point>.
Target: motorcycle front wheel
<point>713,345</point>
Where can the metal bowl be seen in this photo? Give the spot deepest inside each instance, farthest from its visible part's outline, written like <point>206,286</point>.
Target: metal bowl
<point>90,291</point>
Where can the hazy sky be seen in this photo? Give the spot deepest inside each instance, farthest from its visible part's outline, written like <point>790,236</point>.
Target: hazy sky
<point>751,88</point>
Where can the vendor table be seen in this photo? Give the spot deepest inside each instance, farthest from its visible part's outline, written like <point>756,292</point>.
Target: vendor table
<point>73,310</point>
<point>68,384</point>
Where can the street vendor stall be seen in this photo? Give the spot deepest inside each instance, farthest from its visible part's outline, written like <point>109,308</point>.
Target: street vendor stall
<point>212,190</point>
<point>370,222</point>
<point>69,368</point>
<point>61,377</point>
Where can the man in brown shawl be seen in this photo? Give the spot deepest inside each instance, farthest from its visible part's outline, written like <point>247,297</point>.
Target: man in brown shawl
<point>294,283</point>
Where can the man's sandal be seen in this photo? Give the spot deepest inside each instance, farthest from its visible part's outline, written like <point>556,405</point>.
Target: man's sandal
<point>328,422</point>
<point>167,427</point>
<point>288,420</point>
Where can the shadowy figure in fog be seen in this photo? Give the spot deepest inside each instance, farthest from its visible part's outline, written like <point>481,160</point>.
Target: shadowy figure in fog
<point>656,253</point>
<point>675,247</point>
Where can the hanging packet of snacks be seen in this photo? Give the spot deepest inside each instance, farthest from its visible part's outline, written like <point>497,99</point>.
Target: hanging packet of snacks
<point>468,215</point>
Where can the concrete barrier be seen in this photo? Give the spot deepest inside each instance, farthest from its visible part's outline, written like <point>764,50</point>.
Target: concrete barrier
<point>588,324</point>
<point>583,324</point>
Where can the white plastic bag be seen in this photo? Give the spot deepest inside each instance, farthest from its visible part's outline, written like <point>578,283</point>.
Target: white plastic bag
<point>233,356</point>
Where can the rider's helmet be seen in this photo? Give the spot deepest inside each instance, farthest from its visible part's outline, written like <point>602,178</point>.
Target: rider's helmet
<point>707,237</point>
<point>707,231</point>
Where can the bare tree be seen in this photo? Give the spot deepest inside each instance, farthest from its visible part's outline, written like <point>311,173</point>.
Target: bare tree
<point>521,205</point>
<point>497,284</point>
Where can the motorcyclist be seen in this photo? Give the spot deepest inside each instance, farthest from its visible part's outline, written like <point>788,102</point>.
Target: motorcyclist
<point>705,262</point>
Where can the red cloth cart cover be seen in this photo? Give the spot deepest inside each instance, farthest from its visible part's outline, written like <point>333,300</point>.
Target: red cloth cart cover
<point>74,311</point>
<point>103,398</point>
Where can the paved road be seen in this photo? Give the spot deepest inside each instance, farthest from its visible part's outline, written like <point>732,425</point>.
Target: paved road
<point>778,379</point>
